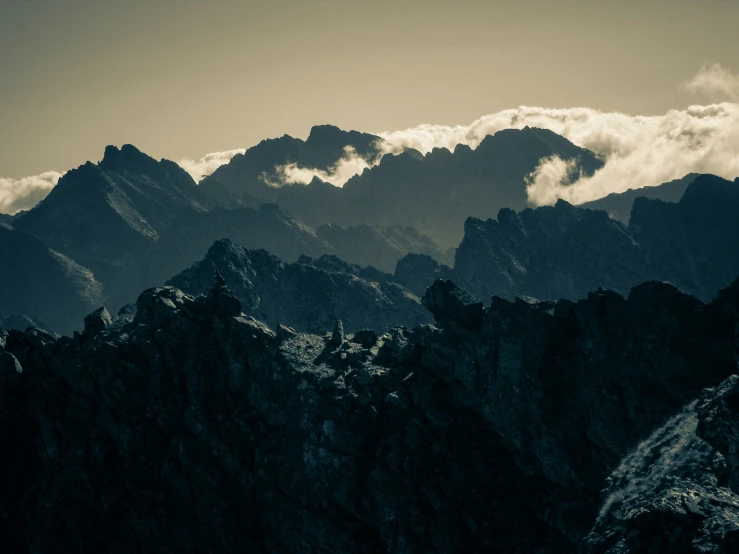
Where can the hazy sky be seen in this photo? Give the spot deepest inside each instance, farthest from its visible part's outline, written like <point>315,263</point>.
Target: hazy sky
<point>181,78</point>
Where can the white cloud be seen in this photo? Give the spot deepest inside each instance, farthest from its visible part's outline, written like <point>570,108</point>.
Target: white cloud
<point>547,183</point>
<point>344,169</point>
<point>208,163</point>
<point>715,81</point>
<point>638,150</point>
<point>25,193</point>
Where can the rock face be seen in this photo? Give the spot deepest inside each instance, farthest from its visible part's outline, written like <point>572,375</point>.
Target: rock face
<point>564,251</point>
<point>101,215</point>
<point>551,252</point>
<point>307,296</point>
<point>433,193</point>
<point>38,285</point>
<point>677,492</point>
<point>190,428</point>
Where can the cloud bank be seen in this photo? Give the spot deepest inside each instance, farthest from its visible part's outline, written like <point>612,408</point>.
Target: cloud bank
<point>25,193</point>
<point>639,151</point>
<point>206,165</point>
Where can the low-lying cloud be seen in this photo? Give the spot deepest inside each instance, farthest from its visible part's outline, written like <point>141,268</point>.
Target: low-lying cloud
<point>349,165</point>
<point>25,193</point>
<point>638,150</point>
<point>206,165</point>
<point>643,151</point>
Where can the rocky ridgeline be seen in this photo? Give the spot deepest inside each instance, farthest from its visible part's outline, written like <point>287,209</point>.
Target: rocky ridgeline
<point>191,427</point>
<point>563,251</point>
<point>308,295</point>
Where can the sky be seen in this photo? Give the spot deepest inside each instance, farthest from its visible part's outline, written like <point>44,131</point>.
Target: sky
<point>184,78</point>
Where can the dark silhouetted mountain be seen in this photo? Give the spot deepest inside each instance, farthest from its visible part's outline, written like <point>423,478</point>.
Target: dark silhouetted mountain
<point>692,243</point>
<point>551,252</point>
<point>43,286</point>
<point>418,271</point>
<point>102,215</point>
<point>619,204</point>
<point>195,428</point>
<point>433,193</point>
<point>7,219</point>
<point>564,251</point>
<point>306,297</point>
<point>192,233</point>
<point>251,172</point>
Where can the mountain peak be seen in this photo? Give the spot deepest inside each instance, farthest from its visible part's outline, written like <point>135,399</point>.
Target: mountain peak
<point>125,154</point>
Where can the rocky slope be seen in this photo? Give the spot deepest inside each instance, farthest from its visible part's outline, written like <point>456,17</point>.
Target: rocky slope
<point>195,428</point>
<point>307,296</point>
<point>101,215</point>
<point>677,492</point>
<point>564,252</point>
<point>41,286</point>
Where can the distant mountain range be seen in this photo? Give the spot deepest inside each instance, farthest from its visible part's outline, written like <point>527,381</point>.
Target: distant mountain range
<point>564,251</point>
<point>132,222</point>
<point>434,193</point>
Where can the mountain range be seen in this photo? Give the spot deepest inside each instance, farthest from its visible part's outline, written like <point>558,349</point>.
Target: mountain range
<point>253,364</point>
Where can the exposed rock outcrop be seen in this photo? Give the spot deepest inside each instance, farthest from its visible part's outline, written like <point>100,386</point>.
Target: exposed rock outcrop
<point>309,295</point>
<point>189,428</point>
<point>677,491</point>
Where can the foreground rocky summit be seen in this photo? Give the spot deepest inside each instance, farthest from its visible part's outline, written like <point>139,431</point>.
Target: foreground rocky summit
<point>195,428</point>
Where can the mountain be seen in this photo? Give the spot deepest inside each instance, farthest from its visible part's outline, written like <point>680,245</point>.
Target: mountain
<point>190,235</point>
<point>434,193</point>
<point>41,286</point>
<point>192,232</point>
<point>195,428</point>
<point>308,296</point>
<point>694,242</point>
<point>251,172</point>
<point>102,215</point>
<point>7,219</point>
<point>619,204</point>
<point>564,251</point>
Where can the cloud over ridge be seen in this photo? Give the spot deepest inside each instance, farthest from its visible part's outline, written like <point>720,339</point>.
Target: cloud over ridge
<point>638,150</point>
<point>206,165</point>
<point>25,193</point>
